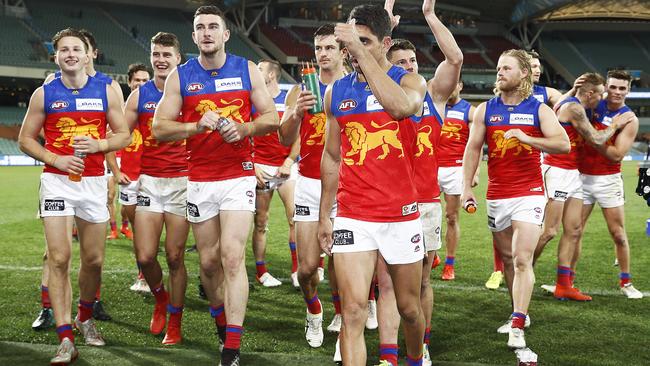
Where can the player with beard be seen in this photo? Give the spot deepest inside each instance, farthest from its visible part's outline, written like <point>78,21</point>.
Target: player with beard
<point>369,141</point>
<point>517,127</point>
<point>208,101</point>
<point>76,101</point>
<point>298,124</point>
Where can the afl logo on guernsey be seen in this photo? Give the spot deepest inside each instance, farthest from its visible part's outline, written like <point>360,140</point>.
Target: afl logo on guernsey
<point>194,87</point>
<point>150,106</point>
<point>347,105</point>
<point>496,118</point>
<point>59,104</point>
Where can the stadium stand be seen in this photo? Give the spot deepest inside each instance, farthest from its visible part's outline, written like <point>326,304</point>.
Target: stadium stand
<point>18,44</point>
<point>622,52</point>
<point>286,42</point>
<point>9,147</point>
<point>10,116</point>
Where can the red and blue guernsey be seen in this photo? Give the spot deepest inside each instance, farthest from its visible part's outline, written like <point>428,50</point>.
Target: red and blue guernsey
<point>376,177</point>
<point>513,168</point>
<point>454,134</point>
<point>226,91</point>
<point>312,141</point>
<point>98,75</point>
<point>426,153</point>
<point>159,159</point>
<point>593,162</point>
<point>268,149</point>
<point>570,160</point>
<point>75,112</point>
<point>539,93</point>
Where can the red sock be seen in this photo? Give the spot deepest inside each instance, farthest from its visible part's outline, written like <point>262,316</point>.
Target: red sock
<point>294,257</point>
<point>233,336</point>
<point>98,293</point>
<point>175,315</point>
<point>125,224</point>
<point>389,353</point>
<point>518,320</point>
<point>314,305</point>
<point>45,297</point>
<point>260,266</point>
<point>65,331</point>
<point>563,276</point>
<point>321,262</point>
<point>371,293</point>
<point>336,300</point>
<point>219,315</point>
<point>160,294</point>
<point>113,226</point>
<point>427,335</point>
<point>85,310</point>
<point>498,263</point>
<point>573,277</point>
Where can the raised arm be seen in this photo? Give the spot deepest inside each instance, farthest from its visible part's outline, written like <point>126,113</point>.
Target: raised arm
<point>575,113</point>
<point>554,140</point>
<point>554,96</point>
<point>623,143</point>
<point>329,170</point>
<point>447,73</point>
<point>297,102</point>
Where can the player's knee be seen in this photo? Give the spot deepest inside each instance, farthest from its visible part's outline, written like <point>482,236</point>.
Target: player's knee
<point>261,220</point>
<point>573,232</point>
<point>452,218</point>
<point>59,261</point>
<point>145,259</point>
<point>175,260</point>
<point>355,313</point>
<point>619,237</point>
<point>93,262</point>
<point>306,271</point>
<point>410,311</point>
<point>209,264</point>
<point>232,263</point>
<point>523,261</point>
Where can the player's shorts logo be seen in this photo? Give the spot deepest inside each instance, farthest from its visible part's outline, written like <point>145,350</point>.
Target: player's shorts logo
<point>192,210</point>
<point>69,128</point>
<point>343,237</point>
<point>54,205</point>
<point>503,145</point>
<point>362,141</point>
<point>451,130</point>
<point>416,238</point>
<point>560,194</point>
<point>409,209</point>
<point>317,122</point>
<point>144,201</point>
<point>491,222</point>
<point>247,165</point>
<point>124,196</point>
<point>302,210</point>
<point>424,141</point>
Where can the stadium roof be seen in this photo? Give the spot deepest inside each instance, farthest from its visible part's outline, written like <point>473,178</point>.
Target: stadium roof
<point>581,9</point>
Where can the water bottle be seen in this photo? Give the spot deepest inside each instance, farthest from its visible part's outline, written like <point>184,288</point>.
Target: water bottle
<point>470,206</point>
<point>73,176</point>
<point>310,80</point>
<point>647,227</point>
<point>222,122</point>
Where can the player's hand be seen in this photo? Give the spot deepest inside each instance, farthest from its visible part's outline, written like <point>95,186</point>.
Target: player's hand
<point>428,7</point>
<point>347,34</point>
<point>518,134</point>
<point>394,19</point>
<point>284,171</point>
<point>622,119</point>
<point>579,82</point>
<point>259,176</point>
<point>123,179</point>
<point>476,180</point>
<point>85,144</point>
<point>69,164</point>
<point>325,236</point>
<point>208,121</point>
<point>306,100</point>
<point>467,195</point>
<point>234,132</point>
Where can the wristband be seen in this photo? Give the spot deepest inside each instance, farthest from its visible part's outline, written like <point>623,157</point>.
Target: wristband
<point>250,128</point>
<point>103,145</point>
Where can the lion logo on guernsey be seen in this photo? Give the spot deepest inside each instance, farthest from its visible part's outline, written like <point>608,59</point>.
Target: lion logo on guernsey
<point>70,128</point>
<point>503,145</point>
<point>362,141</point>
<point>317,122</point>
<point>424,140</point>
<point>451,130</point>
<point>228,109</point>
<point>136,141</point>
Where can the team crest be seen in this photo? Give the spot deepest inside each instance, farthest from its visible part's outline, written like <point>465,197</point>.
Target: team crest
<point>362,141</point>
<point>503,145</point>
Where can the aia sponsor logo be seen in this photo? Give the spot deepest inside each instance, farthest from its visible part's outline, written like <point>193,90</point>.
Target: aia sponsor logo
<point>150,106</point>
<point>59,104</point>
<point>347,105</point>
<point>194,87</point>
<point>496,118</point>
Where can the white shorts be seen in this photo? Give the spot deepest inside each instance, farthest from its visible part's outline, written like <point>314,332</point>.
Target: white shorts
<point>270,170</point>
<point>161,195</point>
<point>206,199</point>
<point>450,180</point>
<point>502,212</point>
<point>306,197</point>
<point>561,184</point>
<point>398,242</point>
<point>431,217</point>
<point>59,196</point>
<point>129,194</point>
<point>606,190</point>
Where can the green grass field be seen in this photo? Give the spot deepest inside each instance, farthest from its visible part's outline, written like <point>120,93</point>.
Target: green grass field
<point>610,330</point>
